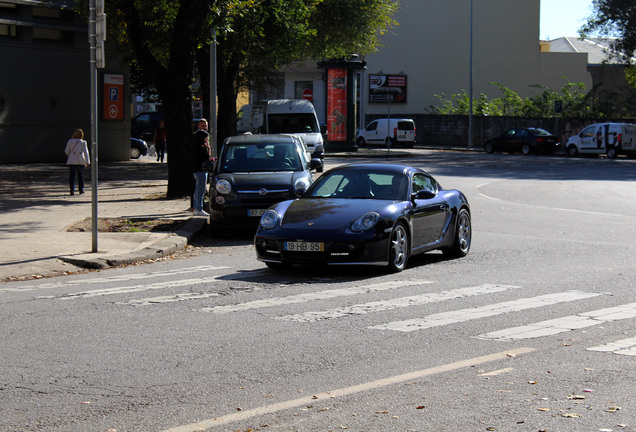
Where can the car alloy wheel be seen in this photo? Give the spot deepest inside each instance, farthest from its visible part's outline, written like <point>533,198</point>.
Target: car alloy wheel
<point>134,153</point>
<point>525,149</point>
<point>463,236</point>
<point>399,248</point>
<point>489,147</point>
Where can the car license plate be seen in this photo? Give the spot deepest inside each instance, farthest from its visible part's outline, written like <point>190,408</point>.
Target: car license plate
<point>305,246</point>
<point>256,212</point>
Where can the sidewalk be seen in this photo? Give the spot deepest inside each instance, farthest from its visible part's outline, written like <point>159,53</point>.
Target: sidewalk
<point>36,210</point>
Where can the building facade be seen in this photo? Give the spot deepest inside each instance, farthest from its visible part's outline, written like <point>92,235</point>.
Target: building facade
<point>45,86</point>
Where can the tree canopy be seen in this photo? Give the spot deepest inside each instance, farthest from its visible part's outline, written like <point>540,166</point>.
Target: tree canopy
<point>167,43</point>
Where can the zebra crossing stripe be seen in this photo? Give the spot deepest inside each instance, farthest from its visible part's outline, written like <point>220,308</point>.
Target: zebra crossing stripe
<point>623,347</point>
<point>321,295</point>
<point>403,302</point>
<point>463,315</point>
<point>564,324</point>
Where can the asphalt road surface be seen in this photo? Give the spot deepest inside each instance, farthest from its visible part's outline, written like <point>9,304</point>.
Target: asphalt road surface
<point>533,331</point>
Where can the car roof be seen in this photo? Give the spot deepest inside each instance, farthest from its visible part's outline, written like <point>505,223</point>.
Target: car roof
<point>379,167</point>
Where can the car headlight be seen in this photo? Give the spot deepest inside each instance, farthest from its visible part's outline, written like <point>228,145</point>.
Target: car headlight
<point>270,219</point>
<point>365,222</point>
<point>301,185</point>
<point>223,187</point>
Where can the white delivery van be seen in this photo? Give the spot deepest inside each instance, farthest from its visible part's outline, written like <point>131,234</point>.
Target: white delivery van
<point>289,116</point>
<point>388,132</point>
<point>611,139</point>
<point>243,118</point>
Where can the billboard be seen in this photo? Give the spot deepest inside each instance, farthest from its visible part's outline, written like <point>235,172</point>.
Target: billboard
<point>387,89</point>
<point>337,104</point>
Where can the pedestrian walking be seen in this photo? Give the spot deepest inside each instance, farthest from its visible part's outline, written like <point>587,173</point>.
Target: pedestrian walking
<point>78,158</point>
<point>160,141</point>
<point>200,153</point>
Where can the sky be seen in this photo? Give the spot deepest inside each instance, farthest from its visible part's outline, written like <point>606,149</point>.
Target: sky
<point>561,18</point>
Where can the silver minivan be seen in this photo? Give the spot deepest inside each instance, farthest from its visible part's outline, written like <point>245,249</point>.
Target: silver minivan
<point>390,132</point>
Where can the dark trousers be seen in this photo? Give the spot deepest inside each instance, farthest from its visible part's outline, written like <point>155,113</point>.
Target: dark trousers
<point>79,171</point>
<point>160,147</point>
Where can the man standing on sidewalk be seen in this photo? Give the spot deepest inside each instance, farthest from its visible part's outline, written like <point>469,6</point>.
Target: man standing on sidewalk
<point>200,153</point>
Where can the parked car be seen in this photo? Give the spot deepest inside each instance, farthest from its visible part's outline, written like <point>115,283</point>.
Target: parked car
<point>608,138</point>
<point>143,125</point>
<point>524,140</point>
<point>138,148</point>
<point>389,132</point>
<point>254,172</point>
<point>370,214</point>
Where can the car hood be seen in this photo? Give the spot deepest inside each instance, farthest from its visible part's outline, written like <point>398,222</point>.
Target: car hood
<point>262,179</point>
<point>328,213</point>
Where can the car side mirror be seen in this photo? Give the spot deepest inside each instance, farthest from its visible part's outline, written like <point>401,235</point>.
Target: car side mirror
<point>423,195</point>
<point>315,164</point>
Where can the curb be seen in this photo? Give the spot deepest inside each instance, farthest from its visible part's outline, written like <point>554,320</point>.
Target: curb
<point>170,244</point>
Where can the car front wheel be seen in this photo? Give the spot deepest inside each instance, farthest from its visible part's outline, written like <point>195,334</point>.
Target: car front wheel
<point>572,151</point>
<point>361,142</point>
<point>134,153</point>
<point>489,147</point>
<point>398,248</point>
<point>463,236</point>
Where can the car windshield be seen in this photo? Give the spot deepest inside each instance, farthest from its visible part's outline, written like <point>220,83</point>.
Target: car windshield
<point>360,184</point>
<point>248,157</point>
<point>292,123</point>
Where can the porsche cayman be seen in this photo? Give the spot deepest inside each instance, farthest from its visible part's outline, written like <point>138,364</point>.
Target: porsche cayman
<point>372,214</point>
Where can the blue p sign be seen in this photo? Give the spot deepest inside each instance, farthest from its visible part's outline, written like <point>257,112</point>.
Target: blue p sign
<point>113,94</point>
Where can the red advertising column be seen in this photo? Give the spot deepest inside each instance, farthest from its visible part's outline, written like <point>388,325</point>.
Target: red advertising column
<point>113,97</point>
<point>337,104</point>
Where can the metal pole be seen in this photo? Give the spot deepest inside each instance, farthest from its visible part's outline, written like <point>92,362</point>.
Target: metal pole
<point>470,102</point>
<point>92,40</point>
<point>213,118</point>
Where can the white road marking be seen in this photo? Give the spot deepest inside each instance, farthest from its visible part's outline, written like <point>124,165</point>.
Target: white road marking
<point>138,288</point>
<point>347,391</point>
<point>464,315</point>
<point>623,347</point>
<point>321,295</point>
<point>119,278</point>
<point>383,305</point>
<point>168,299</point>
<point>496,372</point>
<point>564,324</point>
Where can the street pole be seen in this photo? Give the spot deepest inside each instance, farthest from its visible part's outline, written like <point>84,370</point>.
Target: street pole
<point>213,118</point>
<point>470,102</point>
<point>92,40</point>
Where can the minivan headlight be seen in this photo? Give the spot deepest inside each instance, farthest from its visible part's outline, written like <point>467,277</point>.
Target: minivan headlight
<point>365,222</point>
<point>301,185</point>
<point>270,219</point>
<point>223,187</point>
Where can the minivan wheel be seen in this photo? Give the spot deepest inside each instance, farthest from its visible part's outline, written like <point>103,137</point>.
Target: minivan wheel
<point>361,142</point>
<point>572,151</point>
<point>612,152</point>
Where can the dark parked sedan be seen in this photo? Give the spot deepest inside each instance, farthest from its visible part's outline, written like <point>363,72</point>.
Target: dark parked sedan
<point>254,172</point>
<point>138,148</point>
<point>524,140</point>
<point>373,214</point>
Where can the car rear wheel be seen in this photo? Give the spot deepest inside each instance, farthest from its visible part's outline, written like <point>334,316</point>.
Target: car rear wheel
<point>134,153</point>
<point>463,236</point>
<point>525,149</point>
<point>398,248</point>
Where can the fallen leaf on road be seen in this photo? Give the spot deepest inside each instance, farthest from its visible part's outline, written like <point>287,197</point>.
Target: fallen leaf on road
<point>570,415</point>
<point>613,409</point>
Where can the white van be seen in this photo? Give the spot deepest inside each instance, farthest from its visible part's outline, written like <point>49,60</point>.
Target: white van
<point>289,116</point>
<point>243,119</point>
<point>611,139</point>
<point>388,132</point>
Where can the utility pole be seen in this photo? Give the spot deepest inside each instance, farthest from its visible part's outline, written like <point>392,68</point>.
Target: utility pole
<point>96,38</point>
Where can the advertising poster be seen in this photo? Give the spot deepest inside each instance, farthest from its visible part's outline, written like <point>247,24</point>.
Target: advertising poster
<point>387,89</point>
<point>113,97</point>
<point>337,104</point>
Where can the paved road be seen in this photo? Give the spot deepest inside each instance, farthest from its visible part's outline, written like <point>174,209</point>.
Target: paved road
<point>533,330</point>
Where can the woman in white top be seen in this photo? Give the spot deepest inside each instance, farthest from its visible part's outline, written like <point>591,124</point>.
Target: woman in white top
<point>78,158</point>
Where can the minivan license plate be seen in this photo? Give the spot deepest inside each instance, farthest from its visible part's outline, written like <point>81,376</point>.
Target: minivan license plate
<point>305,246</point>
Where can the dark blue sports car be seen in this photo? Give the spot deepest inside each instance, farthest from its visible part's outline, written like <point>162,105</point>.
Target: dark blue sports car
<point>373,214</point>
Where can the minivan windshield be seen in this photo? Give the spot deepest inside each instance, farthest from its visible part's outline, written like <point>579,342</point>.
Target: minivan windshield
<point>292,123</point>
